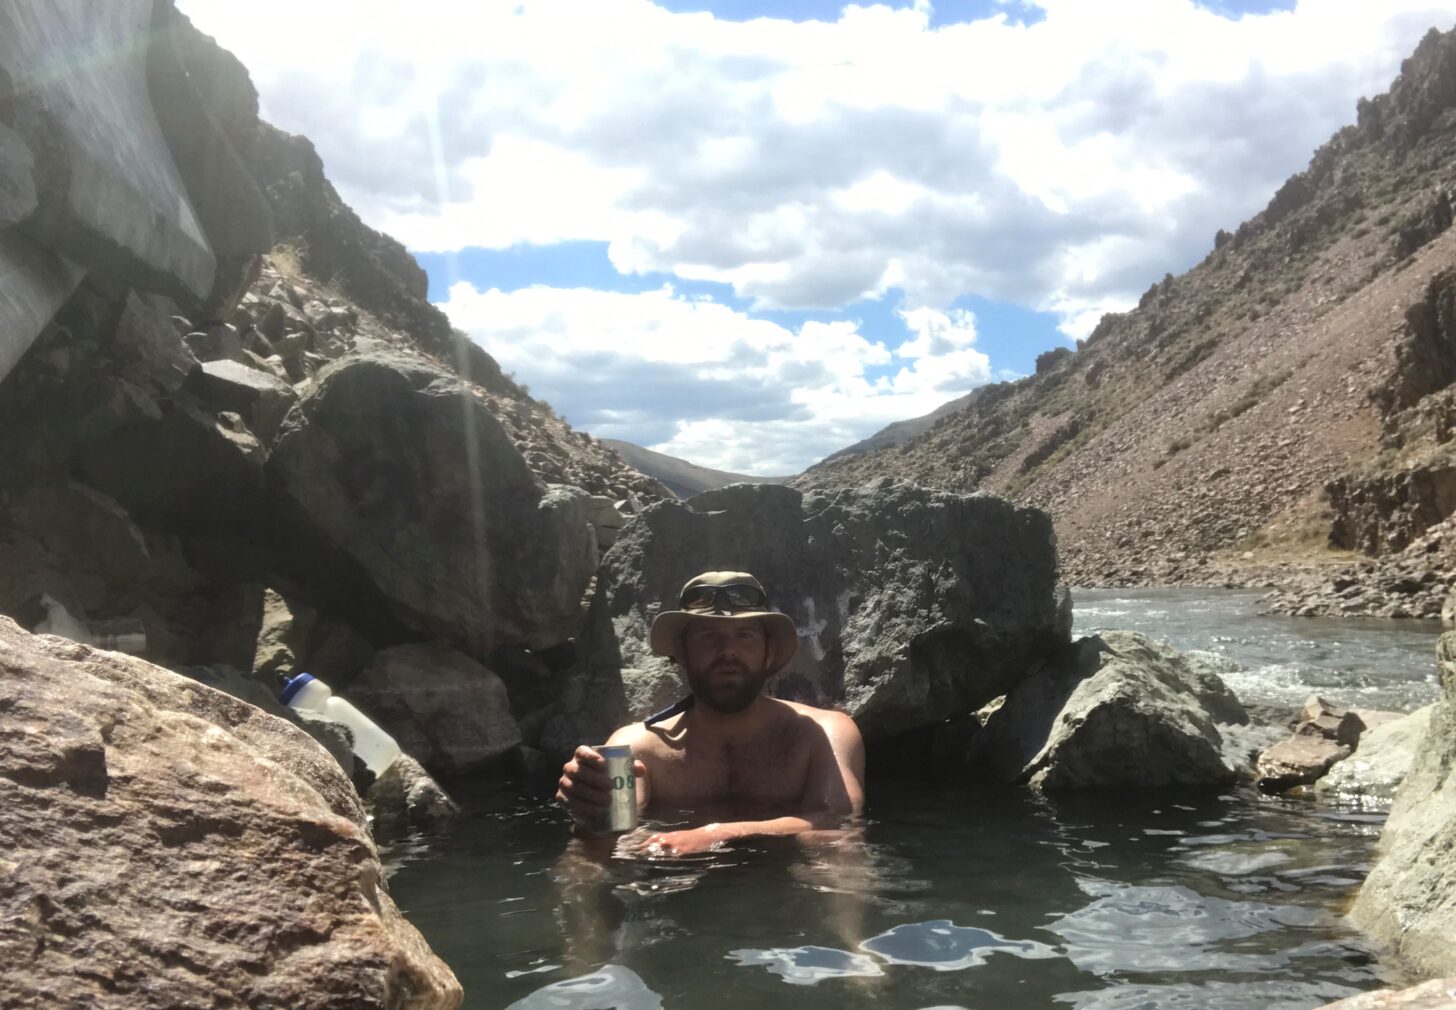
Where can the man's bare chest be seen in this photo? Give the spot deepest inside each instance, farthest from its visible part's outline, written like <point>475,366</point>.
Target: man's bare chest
<point>770,775</point>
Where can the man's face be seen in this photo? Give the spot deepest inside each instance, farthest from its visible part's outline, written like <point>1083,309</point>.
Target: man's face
<point>725,661</point>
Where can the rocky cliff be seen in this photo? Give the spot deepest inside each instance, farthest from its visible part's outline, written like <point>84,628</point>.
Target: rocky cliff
<point>245,431</point>
<point>1285,401</point>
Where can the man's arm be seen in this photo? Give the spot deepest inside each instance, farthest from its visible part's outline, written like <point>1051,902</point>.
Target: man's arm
<point>584,788</point>
<point>834,791</point>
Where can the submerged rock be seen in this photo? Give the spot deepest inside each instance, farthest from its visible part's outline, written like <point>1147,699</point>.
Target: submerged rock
<point>1116,709</point>
<point>1408,902</point>
<point>166,845</point>
<point>405,797</point>
<point>912,604</point>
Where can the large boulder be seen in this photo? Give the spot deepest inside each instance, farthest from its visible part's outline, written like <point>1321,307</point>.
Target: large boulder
<point>1408,902</point>
<point>912,604</point>
<point>1117,709</point>
<point>401,468</point>
<point>440,706</point>
<point>109,194</point>
<point>165,845</point>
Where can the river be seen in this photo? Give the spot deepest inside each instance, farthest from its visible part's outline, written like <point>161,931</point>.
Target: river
<point>957,895</point>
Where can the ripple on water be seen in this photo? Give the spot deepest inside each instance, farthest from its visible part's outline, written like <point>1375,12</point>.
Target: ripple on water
<point>809,965</point>
<point>1170,928</point>
<point>939,944</point>
<point>944,946</point>
<point>1266,995</point>
<point>610,986</point>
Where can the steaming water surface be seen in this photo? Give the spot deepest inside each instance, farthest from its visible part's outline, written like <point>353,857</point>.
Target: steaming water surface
<point>954,895</point>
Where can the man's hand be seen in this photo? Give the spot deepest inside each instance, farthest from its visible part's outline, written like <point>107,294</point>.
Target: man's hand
<point>681,843</point>
<point>584,789</point>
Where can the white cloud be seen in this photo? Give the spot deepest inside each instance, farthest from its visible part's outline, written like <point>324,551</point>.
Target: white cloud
<point>1062,164</point>
<point>699,380</point>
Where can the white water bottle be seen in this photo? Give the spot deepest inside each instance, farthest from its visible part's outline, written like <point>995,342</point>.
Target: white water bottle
<point>372,745</point>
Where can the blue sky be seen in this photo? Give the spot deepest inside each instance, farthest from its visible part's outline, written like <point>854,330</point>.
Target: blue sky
<point>749,233</point>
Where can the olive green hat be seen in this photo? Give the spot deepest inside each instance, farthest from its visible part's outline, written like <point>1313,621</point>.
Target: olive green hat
<point>725,595</point>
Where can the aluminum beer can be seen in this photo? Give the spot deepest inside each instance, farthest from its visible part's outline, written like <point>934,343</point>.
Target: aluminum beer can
<point>621,813</point>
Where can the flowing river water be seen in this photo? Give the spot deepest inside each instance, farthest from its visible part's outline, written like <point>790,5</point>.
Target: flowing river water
<point>955,894</point>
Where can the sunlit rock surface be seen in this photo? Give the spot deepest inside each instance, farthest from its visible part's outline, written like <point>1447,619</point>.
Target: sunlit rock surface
<point>1117,709</point>
<point>1408,903</point>
<point>164,845</point>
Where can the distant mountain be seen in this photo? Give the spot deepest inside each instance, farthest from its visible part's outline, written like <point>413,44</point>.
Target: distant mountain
<point>900,432</point>
<point>684,479</point>
<point>1292,393</point>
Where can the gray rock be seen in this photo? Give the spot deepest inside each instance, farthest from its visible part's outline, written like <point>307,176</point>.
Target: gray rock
<point>283,635</point>
<point>336,652</point>
<point>1323,736</point>
<point>34,283</point>
<point>442,707</point>
<point>184,849</point>
<point>219,342</point>
<point>399,466</point>
<point>911,604</point>
<point>1408,902</point>
<point>109,192</point>
<point>156,357</point>
<point>1380,763</point>
<point>405,797</point>
<point>1119,709</point>
<point>187,466</point>
<point>261,398</point>
<point>17,188</point>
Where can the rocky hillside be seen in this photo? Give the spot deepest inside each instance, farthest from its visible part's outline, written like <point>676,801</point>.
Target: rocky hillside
<point>1284,403</point>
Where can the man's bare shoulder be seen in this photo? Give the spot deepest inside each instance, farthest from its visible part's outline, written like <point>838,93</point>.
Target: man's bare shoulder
<point>830,719</point>
<point>659,740</point>
<point>833,722</point>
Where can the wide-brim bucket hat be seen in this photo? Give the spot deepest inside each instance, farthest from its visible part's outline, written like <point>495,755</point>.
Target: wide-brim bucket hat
<point>729,596</point>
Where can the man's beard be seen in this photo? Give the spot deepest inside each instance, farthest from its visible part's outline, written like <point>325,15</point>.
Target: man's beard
<point>727,695</point>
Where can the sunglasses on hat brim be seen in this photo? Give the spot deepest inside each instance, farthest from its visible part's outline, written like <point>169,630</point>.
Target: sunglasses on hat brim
<point>723,599</point>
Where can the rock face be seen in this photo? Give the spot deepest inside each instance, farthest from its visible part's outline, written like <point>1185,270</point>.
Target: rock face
<point>165,845</point>
<point>911,604</point>
<point>1408,902</point>
<point>108,190</point>
<point>399,467</point>
<point>1117,709</point>
<point>445,709</point>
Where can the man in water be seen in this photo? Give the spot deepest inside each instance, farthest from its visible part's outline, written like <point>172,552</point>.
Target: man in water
<point>767,767</point>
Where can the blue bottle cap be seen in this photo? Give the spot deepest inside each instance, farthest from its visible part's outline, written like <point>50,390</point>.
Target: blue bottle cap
<point>293,685</point>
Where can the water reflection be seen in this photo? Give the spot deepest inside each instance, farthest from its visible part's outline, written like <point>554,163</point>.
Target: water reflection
<point>944,946</point>
<point>1264,995</point>
<point>611,987</point>
<point>809,965</point>
<point>1173,929</point>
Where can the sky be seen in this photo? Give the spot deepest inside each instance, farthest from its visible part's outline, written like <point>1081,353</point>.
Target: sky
<point>749,233</point>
